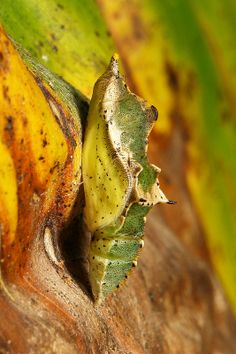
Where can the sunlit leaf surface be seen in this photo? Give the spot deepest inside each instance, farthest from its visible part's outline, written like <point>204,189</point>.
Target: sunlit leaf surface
<point>68,37</point>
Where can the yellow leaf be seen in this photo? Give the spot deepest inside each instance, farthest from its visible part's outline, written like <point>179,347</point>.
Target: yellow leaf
<point>40,145</point>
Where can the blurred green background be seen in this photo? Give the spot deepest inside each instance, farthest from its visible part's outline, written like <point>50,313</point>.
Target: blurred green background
<point>180,56</point>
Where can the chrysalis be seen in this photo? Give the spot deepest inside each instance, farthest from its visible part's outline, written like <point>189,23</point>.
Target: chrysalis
<point>120,184</point>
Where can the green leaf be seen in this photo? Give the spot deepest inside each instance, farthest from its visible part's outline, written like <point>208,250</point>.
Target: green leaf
<point>68,37</point>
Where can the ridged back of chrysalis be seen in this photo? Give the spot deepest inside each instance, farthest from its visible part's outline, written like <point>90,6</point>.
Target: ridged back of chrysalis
<point>120,185</point>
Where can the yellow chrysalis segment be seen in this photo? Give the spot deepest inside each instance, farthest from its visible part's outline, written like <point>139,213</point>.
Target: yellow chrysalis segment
<point>102,181</point>
<point>107,183</point>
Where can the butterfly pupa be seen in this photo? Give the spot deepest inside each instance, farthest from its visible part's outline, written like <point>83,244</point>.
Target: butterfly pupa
<point>120,184</point>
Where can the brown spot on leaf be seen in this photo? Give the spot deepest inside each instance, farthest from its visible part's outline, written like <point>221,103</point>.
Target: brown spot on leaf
<point>44,142</point>
<point>60,6</point>
<point>9,124</point>
<point>53,36</point>
<point>139,31</point>
<point>172,76</point>
<point>55,48</point>
<point>5,90</point>
<point>56,165</point>
<point>25,121</point>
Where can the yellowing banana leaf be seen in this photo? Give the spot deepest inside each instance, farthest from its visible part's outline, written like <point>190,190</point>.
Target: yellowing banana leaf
<point>40,149</point>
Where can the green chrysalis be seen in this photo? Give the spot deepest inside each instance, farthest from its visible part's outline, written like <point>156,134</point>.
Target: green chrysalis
<point>120,184</point>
